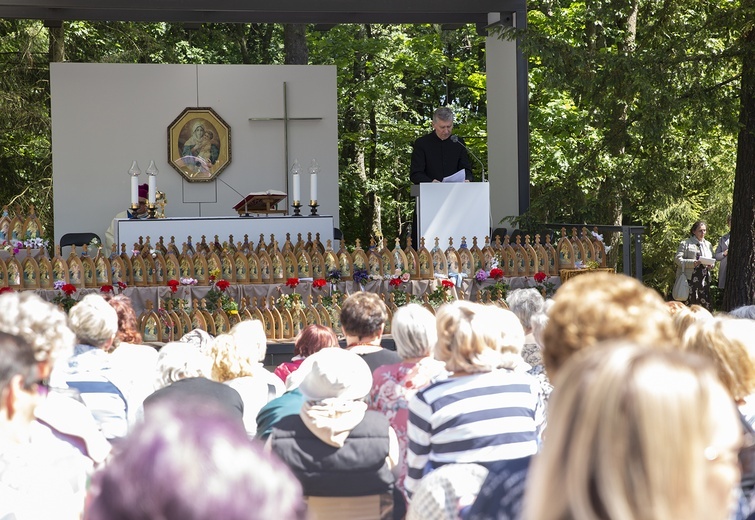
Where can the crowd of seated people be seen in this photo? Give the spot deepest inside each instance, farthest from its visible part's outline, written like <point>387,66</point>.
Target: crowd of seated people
<point>604,402</point>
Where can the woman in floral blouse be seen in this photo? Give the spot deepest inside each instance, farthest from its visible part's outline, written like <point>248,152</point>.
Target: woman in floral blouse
<point>393,386</point>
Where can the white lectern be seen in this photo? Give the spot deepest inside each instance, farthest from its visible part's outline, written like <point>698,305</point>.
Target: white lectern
<point>452,210</point>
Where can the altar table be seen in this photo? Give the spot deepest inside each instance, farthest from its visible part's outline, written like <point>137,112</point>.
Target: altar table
<point>128,231</point>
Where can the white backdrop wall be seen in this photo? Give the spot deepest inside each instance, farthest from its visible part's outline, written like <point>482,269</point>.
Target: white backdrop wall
<point>104,116</point>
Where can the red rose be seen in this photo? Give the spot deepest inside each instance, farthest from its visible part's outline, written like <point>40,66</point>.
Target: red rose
<point>446,284</point>
<point>223,285</point>
<point>106,288</point>
<point>122,285</point>
<point>292,282</point>
<point>540,277</point>
<point>496,273</point>
<point>320,282</point>
<point>173,284</point>
<point>395,282</point>
<point>68,289</point>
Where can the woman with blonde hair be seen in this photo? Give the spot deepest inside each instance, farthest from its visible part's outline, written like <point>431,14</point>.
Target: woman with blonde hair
<point>236,363</point>
<point>636,433</point>
<point>487,411</point>
<point>598,307</point>
<point>730,344</point>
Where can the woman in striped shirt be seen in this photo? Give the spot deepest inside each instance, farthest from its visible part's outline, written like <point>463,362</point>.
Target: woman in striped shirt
<point>487,411</point>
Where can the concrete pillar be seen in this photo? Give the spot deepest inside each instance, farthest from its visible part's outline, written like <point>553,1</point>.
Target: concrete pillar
<point>508,152</point>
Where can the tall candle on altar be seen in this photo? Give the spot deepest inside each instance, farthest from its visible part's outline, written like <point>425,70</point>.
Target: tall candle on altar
<point>134,191</point>
<point>152,182</point>
<point>296,170</point>
<point>313,169</point>
<point>134,172</point>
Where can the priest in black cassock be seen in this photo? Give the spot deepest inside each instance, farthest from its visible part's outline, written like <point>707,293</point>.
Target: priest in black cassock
<point>436,155</point>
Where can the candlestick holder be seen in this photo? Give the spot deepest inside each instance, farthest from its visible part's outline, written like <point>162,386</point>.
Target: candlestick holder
<point>132,213</point>
<point>297,208</point>
<point>313,205</point>
<point>151,210</point>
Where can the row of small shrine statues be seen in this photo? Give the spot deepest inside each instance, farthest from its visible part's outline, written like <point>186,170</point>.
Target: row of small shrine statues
<point>18,226</point>
<point>267,263</point>
<point>282,321</point>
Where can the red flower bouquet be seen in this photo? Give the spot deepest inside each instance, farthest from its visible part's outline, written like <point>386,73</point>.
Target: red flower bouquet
<point>319,283</point>
<point>540,277</point>
<point>106,289</point>
<point>173,284</point>
<point>292,282</point>
<point>223,285</point>
<point>446,284</point>
<point>496,274</point>
<point>395,282</point>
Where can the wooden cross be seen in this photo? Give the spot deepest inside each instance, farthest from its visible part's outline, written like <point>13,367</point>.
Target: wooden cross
<point>285,120</point>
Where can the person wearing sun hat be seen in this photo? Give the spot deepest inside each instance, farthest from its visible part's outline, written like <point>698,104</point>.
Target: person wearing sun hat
<point>141,212</point>
<point>335,446</point>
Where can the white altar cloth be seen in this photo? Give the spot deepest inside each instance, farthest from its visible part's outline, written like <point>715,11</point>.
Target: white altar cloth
<point>128,231</point>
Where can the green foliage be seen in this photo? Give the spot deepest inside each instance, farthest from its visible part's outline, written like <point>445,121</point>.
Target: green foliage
<point>25,150</point>
<point>390,79</point>
<point>634,127</point>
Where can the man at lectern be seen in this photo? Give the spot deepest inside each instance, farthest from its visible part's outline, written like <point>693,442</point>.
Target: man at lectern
<point>436,156</point>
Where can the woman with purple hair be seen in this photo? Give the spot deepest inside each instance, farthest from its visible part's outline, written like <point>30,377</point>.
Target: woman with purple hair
<point>192,463</point>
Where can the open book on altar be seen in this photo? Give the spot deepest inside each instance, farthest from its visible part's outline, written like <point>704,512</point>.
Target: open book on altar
<point>261,202</point>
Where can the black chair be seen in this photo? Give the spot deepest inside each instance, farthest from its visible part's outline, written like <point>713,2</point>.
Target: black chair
<point>337,235</point>
<point>497,232</point>
<point>78,239</point>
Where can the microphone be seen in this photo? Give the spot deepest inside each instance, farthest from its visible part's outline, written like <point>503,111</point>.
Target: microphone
<point>455,139</point>
<point>243,197</point>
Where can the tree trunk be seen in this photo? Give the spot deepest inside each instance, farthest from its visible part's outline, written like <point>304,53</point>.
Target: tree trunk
<point>57,44</point>
<point>295,44</point>
<point>740,271</point>
<point>377,209</point>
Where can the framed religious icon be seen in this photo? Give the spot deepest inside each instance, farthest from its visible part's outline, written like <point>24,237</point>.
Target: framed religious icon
<point>199,144</point>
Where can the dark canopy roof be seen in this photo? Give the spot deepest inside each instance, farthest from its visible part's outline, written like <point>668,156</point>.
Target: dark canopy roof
<point>257,11</point>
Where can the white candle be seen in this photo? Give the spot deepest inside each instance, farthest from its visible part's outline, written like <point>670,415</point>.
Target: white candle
<point>152,179</point>
<point>297,188</point>
<point>313,186</point>
<point>134,191</point>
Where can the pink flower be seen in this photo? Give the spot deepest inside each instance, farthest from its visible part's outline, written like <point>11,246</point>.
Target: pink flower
<point>406,277</point>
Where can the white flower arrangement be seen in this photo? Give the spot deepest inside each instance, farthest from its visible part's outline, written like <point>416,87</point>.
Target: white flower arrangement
<point>600,238</point>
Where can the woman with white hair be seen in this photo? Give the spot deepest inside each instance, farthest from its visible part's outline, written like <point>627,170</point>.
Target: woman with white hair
<point>634,433</point>
<point>184,375</point>
<point>393,386</point>
<point>487,411</point>
<point>104,387</point>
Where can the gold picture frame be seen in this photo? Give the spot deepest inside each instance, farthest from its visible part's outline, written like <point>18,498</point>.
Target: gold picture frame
<point>199,144</point>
